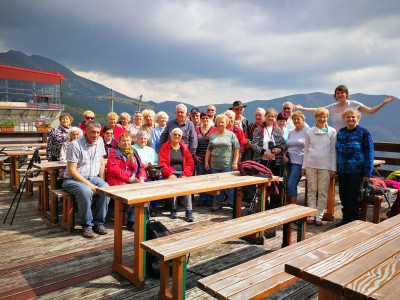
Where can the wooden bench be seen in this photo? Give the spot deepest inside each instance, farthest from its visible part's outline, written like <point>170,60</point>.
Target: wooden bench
<point>265,275</point>
<point>376,201</point>
<point>39,181</point>
<point>175,247</point>
<point>3,166</point>
<point>68,216</point>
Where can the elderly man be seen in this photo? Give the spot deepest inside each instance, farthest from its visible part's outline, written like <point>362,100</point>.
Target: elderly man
<point>189,137</point>
<point>195,116</point>
<point>84,173</point>
<point>287,109</point>
<point>242,122</point>
<point>211,112</point>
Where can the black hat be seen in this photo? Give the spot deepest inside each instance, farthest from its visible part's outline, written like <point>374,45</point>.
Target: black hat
<point>237,104</point>
<point>194,110</point>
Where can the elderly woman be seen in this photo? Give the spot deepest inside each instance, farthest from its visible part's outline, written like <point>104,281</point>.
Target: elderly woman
<point>58,136</point>
<point>109,140</point>
<point>149,157</point>
<point>88,116</point>
<point>73,133</point>
<point>148,120</point>
<point>136,126</point>
<point>222,155</point>
<point>124,121</point>
<point>294,155</point>
<point>203,138</point>
<point>355,159</point>
<point>124,166</point>
<point>178,162</point>
<point>281,121</point>
<point>161,119</point>
<point>319,163</point>
<point>269,146</point>
<point>112,119</point>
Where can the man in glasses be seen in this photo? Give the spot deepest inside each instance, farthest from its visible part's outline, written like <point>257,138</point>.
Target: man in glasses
<point>88,116</point>
<point>287,109</point>
<point>211,112</point>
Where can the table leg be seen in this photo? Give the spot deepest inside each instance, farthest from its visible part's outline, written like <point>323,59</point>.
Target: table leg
<point>14,178</point>
<point>329,215</point>
<point>237,209</point>
<point>325,294</point>
<point>45,193</point>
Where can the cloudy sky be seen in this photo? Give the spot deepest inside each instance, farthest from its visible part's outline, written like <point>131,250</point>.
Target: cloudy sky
<point>214,51</point>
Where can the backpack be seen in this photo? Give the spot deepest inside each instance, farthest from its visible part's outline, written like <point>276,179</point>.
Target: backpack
<point>377,186</point>
<point>155,229</point>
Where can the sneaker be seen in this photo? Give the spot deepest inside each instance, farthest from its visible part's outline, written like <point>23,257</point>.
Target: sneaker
<point>130,226</point>
<point>100,229</point>
<point>174,214</point>
<point>318,221</point>
<point>310,220</point>
<point>189,216</point>
<point>88,233</point>
<point>217,206</point>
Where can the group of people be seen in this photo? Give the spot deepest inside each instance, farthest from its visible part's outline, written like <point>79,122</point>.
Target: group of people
<point>202,142</point>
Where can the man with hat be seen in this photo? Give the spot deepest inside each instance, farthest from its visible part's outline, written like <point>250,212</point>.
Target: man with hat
<point>195,116</point>
<point>242,122</point>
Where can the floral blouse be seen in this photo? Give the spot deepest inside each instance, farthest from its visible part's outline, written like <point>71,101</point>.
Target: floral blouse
<point>57,137</point>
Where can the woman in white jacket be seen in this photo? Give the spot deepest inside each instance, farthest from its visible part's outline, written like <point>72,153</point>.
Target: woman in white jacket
<point>319,163</point>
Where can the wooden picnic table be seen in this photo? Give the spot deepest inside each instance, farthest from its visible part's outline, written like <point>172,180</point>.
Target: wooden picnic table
<point>140,194</point>
<point>50,170</point>
<point>21,146</point>
<point>357,265</point>
<point>14,164</point>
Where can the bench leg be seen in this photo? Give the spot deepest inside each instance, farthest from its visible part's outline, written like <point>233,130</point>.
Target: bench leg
<point>40,199</point>
<point>164,292</point>
<point>179,278</point>
<point>377,210</point>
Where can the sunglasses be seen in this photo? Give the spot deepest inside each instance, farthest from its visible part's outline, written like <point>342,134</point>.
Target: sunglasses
<point>287,108</point>
<point>89,118</point>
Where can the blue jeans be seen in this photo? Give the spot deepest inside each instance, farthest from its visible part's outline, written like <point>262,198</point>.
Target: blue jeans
<point>293,179</point>
<point>86,200</point>
<point>231,192</point>
<point>201,170</point>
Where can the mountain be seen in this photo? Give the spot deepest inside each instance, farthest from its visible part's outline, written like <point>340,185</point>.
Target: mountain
<point>80,94</point>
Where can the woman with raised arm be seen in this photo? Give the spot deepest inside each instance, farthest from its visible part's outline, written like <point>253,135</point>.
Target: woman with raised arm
<point>336,109</point>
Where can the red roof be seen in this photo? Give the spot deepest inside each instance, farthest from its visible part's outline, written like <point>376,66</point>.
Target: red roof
<point>15,73</point>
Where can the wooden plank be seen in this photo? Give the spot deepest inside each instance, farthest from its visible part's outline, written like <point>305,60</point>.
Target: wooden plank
<point>237,279</point>
<point>322,268</point>
<point>298,265</point>
<point>178,245</point>
<point>336,280</point>
<point>390,291</point>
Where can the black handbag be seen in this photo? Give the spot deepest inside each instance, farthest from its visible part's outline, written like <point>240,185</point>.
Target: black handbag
<point>154,172</point>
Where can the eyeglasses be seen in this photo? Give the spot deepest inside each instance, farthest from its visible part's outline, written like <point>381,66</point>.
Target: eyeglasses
<point>89,118</point>
<point>287,108</point>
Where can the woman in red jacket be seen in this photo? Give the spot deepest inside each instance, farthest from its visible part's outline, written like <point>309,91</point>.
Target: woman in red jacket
<point>178,162</point>
<point>123,167</point>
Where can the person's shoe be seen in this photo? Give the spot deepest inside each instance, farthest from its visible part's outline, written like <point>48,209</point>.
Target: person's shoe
<point>130,226</point>
<point>209,203</point>
<point>100,229</point>
<point>217,206</point>
<point>310,220</point>
<point>173,214</point>
<point>318,221</point>
<point>88,233</point>
<point>189,216</point>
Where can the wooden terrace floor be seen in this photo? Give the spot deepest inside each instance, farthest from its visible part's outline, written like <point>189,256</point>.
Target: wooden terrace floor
<point>41,260</point>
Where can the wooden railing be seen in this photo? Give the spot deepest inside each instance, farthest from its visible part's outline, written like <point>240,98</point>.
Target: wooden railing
<point>390,153</point>
<point>23,137</point>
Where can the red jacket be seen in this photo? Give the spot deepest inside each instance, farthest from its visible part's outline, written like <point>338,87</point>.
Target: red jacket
<point>119,170</point>
<point>164,160</point>
<point>241,137</point>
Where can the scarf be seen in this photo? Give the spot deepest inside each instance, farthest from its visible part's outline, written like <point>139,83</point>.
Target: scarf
<point>128,153</point>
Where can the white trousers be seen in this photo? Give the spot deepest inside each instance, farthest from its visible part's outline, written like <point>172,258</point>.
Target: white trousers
<point>317,188</point>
